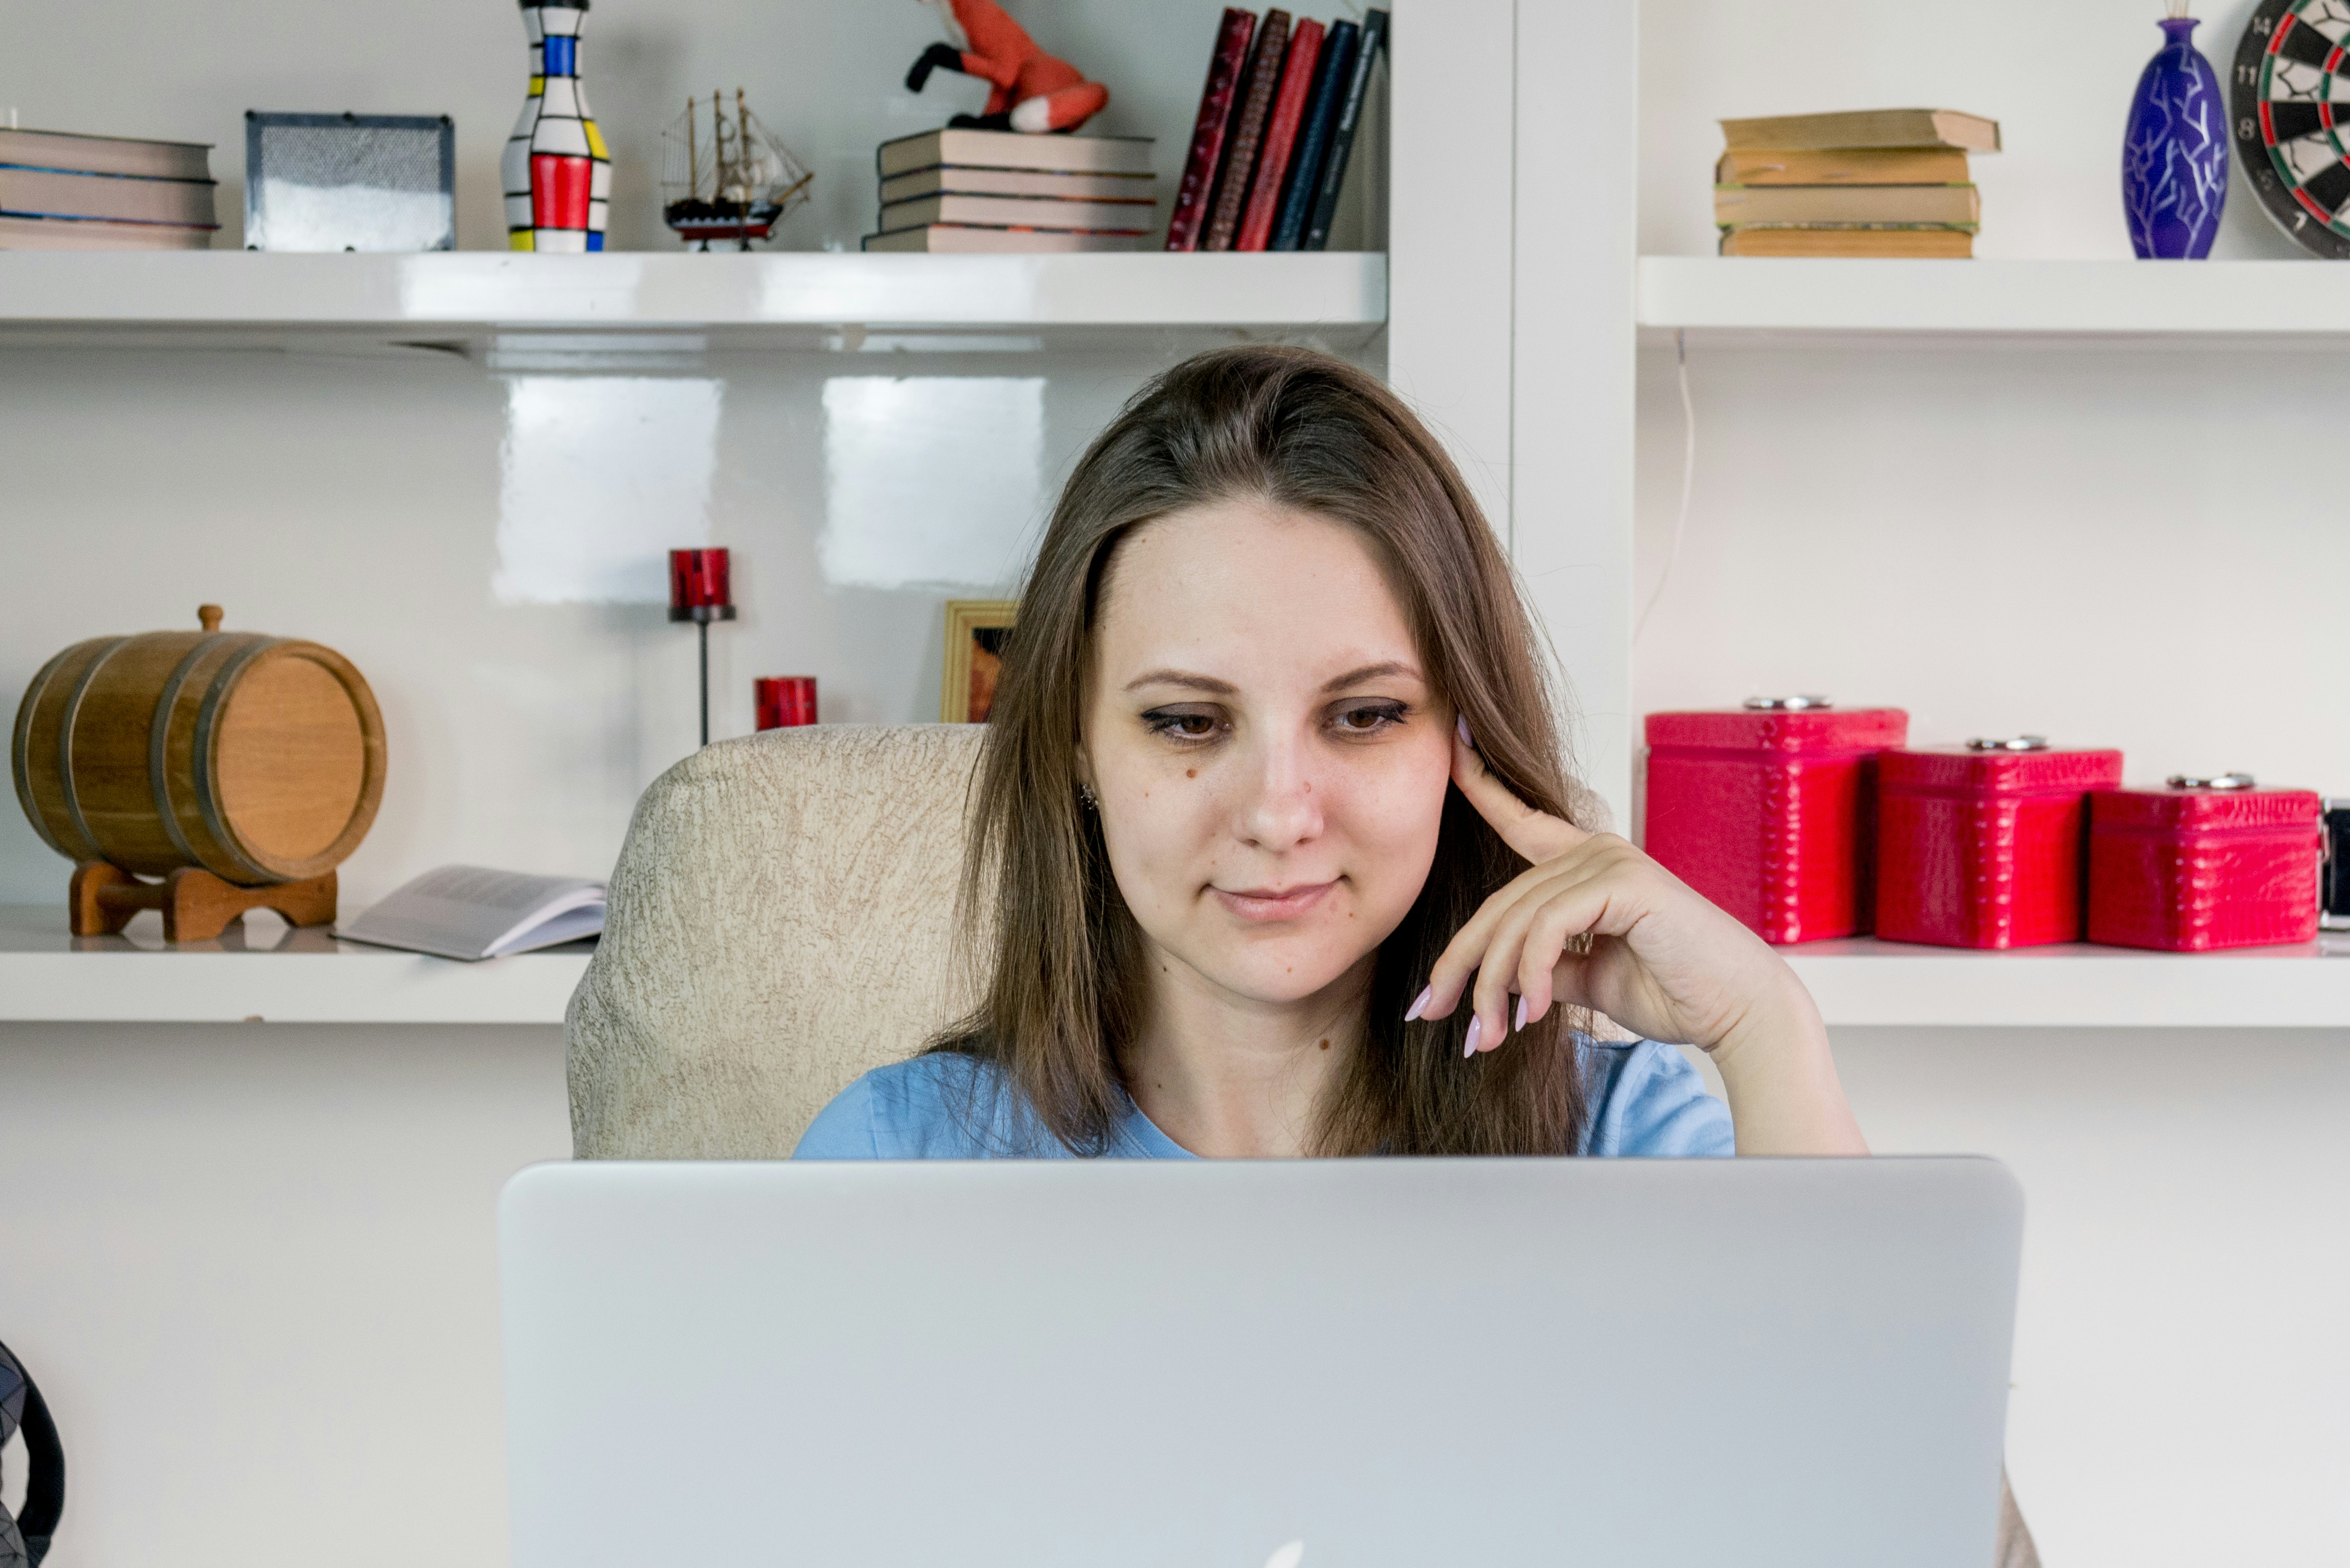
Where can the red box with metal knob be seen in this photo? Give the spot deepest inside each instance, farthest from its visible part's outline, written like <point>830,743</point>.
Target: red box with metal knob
<point>1981,845</point>
<point>2204,863</point>
<point>1770,810</point>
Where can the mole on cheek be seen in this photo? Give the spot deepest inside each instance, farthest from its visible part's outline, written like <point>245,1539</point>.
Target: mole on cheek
<point>1190,772</point>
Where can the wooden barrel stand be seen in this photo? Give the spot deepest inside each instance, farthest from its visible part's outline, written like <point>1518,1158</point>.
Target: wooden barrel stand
<point>197,905</point>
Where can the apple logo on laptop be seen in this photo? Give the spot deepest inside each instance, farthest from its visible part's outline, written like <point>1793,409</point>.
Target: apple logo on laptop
<point>1288,1556</point>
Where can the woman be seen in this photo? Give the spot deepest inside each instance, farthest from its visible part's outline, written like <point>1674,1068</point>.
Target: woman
<point>1275,844</point>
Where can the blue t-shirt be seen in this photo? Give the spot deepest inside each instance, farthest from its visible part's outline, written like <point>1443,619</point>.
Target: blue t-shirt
<point>1645,1100</point>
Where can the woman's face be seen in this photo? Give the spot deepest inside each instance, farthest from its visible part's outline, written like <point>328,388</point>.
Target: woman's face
<point>1270,760</point>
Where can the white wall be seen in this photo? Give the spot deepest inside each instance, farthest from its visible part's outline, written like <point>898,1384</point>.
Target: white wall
<point>2125,547</point>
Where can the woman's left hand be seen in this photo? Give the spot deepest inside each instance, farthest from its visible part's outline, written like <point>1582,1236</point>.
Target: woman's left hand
<point>1663,961</point>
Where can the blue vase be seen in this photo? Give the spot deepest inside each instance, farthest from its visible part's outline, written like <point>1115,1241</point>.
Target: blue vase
<point>2175,152</point>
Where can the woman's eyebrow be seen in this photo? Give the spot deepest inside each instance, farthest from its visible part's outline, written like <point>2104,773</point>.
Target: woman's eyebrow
<point>1182,678</point>
<point>1371,672</point>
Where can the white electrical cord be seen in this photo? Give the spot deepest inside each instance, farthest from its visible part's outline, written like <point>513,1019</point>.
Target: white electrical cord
<point>1689,480</point>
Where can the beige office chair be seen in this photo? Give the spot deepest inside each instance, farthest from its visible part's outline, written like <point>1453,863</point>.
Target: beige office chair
<point>782,922</point>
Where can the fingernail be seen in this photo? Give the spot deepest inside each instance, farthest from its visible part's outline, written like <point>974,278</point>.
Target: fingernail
<point>1521,1022</point>
<point>1476,1029</point>
<point>1461,728</point>
<point>1419,1003</point>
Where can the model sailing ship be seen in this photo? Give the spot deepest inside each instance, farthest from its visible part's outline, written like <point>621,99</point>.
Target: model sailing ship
<point>732,181</point>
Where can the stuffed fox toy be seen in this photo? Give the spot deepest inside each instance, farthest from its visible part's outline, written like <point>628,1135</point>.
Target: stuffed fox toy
<point>1033,90</point>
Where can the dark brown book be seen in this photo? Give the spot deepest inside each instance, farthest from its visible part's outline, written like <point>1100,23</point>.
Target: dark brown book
<point>1248,131</point>
<point>1189,218</point>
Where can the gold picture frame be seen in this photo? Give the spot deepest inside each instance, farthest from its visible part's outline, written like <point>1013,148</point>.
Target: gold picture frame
<point>968,681</point>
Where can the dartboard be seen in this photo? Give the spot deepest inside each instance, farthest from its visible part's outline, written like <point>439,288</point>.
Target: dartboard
<point>2290,98</point>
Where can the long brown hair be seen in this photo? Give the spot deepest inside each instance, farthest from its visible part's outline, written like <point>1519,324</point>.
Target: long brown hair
<point>1061,972</point>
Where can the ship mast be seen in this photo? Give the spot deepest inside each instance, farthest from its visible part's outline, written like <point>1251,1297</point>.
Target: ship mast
<point>718,128</point>
<point>692,159</point>
<point>742,145</point>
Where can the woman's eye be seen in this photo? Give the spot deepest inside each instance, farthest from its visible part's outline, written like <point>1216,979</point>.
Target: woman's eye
<point>1182,723</point>
<point>1368,718</point>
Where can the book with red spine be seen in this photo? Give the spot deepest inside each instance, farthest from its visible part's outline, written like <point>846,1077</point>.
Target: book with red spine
<point>1304,182</point>
<point>1280,138</point>
<point>1199,164</point>
<point>1255,107</point>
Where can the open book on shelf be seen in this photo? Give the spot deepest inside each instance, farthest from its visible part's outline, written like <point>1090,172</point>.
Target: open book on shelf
<point>473,912</point>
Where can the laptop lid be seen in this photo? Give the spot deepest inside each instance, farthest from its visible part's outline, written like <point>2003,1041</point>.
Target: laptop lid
<point>1326,1363</point>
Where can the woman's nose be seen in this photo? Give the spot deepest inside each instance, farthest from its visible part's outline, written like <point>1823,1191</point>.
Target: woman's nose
<point>1283,808</point>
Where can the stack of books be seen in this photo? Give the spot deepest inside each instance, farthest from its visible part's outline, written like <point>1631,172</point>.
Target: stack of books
<point>1277,121</point>
<point>997,190</point>
<point>1878,182</point>
<point>59,192</point>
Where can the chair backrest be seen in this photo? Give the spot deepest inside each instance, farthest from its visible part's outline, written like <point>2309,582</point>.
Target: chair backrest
<point>782,922</point>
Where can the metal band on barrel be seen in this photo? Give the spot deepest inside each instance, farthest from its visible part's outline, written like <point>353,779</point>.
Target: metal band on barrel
<point>65,746</point>
<point>208,787</point>
<point>20,752</point>
<point>158,772</point>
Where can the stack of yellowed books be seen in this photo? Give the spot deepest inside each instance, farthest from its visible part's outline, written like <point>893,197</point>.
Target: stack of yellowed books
<point>1875,182</point>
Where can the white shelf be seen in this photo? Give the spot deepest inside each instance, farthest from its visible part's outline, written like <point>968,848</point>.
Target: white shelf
<point>308,977</point>
<point>1865,982</point>
<point>660,302</point>
<point>2126,299</point>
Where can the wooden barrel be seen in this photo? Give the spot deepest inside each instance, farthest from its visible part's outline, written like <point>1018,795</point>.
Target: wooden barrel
<point>258,758</point>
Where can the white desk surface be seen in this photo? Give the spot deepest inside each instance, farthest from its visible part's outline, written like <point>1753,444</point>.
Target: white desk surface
<point>269,974</point>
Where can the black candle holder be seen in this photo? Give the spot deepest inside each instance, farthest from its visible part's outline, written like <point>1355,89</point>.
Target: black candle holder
<point>701,591</point>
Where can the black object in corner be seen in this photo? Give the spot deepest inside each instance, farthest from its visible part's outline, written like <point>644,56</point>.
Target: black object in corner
<point>25,1542</point>
<point>2334,876</point>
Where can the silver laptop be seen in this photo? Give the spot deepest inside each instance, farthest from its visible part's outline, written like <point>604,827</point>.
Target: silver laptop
<point>1359,1363</point>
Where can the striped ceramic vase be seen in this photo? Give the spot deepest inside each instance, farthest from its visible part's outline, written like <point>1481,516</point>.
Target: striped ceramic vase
<point>559,175</point>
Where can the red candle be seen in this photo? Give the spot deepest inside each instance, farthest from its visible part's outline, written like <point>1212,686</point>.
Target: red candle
<point>786,701</point>
<point>698,581</point>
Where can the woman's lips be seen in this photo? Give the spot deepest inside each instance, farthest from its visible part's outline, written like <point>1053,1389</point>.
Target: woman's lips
<point>1273,903</point>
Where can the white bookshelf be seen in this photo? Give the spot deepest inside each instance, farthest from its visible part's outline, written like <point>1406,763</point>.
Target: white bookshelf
<point>1869,982</point>
<point>652,300</point>
<point>2099,299</point>
<point>47,976</point>
<point>308,977</point>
